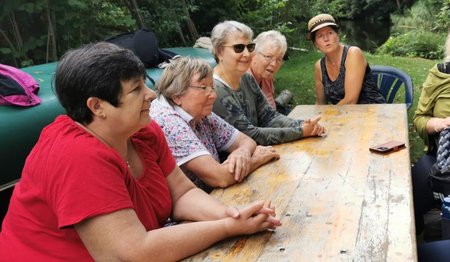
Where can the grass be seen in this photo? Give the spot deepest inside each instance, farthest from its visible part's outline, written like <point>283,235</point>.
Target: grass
<point>297,75</point>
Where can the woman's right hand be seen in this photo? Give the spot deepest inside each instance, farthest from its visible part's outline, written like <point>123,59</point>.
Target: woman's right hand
<point>311,127</point>
<point>256,217</point>
<point>265,153</point>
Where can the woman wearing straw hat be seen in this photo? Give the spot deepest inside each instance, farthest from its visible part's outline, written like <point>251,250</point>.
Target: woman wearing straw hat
<point>343,75</point>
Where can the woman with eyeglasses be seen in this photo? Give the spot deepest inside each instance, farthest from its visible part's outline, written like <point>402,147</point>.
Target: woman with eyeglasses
<point>343,75</point>
<point>195,135</point>
<point>240,100</point>
<point>101,182</point>
<point>269,52</point>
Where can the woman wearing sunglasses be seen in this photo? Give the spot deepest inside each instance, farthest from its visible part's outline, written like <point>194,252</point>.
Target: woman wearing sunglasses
<point>195,135</point>
<point>239,98</point>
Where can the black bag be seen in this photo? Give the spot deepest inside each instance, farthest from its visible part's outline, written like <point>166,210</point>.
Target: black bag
<point>439,176</point>
<point>144,44</point>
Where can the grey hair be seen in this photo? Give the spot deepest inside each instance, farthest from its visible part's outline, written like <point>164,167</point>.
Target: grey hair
<point>447,49</point>
<point>222,30</point>
<point>273,38</point>
<point>177,76</point>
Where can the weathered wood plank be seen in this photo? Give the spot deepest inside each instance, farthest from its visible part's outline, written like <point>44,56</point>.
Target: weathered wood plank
<point>336,200</point>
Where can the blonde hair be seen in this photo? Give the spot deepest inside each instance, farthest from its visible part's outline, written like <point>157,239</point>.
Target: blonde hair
<point>222,30</point>
<point>177,76</point>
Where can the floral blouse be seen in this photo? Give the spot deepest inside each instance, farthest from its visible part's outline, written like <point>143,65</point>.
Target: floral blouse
<point>187,139</point>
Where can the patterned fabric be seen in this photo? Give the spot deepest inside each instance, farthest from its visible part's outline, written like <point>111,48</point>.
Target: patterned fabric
<point>188,140</point>
<point>335,90</point>
<point>443,152</point>
<point>439,174</point>
<point>247,109</point>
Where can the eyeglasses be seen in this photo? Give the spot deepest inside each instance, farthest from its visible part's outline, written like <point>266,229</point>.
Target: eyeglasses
<point>271,58</point>
<point>239,48</point>
<point>206,89</point>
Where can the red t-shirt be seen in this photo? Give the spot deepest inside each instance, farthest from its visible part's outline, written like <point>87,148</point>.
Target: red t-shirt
<point>70,176</point>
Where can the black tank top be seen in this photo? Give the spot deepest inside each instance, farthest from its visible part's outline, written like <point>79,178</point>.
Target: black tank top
<point>335,91</point>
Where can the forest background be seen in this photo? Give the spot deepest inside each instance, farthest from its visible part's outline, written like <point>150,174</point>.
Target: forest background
<point>40,31</point>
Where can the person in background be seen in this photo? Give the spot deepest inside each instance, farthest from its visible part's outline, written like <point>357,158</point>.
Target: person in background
<point>342,75</point>
<point>431,117</point>
<point>101,182</point>
<point>270,49</point>
<point>239,98</point>
<point>195,135</point>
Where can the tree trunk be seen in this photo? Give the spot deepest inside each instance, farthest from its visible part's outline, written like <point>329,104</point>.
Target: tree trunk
<point>15,30</point>
<point>193,33</point>
<point>180,32</point>
<point>133,6</point>
<point>399,5</point>
<point>11,46</point>
<point>51,39</point>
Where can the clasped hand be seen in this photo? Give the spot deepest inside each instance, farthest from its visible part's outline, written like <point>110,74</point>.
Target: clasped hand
<point>256,217</point>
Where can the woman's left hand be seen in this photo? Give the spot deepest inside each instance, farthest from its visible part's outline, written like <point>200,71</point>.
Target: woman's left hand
<point>239,164</point>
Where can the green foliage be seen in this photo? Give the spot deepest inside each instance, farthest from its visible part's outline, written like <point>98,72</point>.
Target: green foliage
<point>415,44</point>
<point>42,30</point>
<point>416,18</point>
<point>443,17</point>
<point>35,29</point>
<point>416,34</point>
<point>165,18</point>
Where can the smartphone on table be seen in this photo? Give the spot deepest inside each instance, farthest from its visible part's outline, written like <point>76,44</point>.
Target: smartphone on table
<point>388,147</point>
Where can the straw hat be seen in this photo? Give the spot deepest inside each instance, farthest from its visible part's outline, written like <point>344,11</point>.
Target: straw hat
<point>320,21</point>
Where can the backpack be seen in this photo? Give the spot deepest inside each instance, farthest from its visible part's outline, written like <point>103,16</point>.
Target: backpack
<point>17,87</point>
<point>144,45</point>
<point>439,175</point>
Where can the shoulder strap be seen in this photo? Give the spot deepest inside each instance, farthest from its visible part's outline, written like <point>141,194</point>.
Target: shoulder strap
<point>344,55</point>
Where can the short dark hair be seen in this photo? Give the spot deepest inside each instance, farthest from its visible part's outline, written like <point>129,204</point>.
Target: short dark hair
<point>94,70</point>
<point>312,36</point>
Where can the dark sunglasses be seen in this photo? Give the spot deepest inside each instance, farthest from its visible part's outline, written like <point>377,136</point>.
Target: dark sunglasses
<point>239,48</point>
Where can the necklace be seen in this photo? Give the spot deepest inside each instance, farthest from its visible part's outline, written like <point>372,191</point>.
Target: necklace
<point>129,152</point>
<point>126,158</point>
<point>225,78</point>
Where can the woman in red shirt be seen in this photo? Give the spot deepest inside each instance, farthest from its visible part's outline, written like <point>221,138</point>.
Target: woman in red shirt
<point>101,182</point>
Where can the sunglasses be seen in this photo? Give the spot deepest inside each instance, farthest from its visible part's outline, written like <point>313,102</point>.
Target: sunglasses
<point>239,48</point>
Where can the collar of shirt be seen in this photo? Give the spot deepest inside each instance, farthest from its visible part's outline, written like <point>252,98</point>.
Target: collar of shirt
<point>180,111</point>
<point>217,77</point>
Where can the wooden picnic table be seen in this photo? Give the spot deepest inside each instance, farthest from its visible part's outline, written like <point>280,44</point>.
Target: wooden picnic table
<point>337,201</point>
